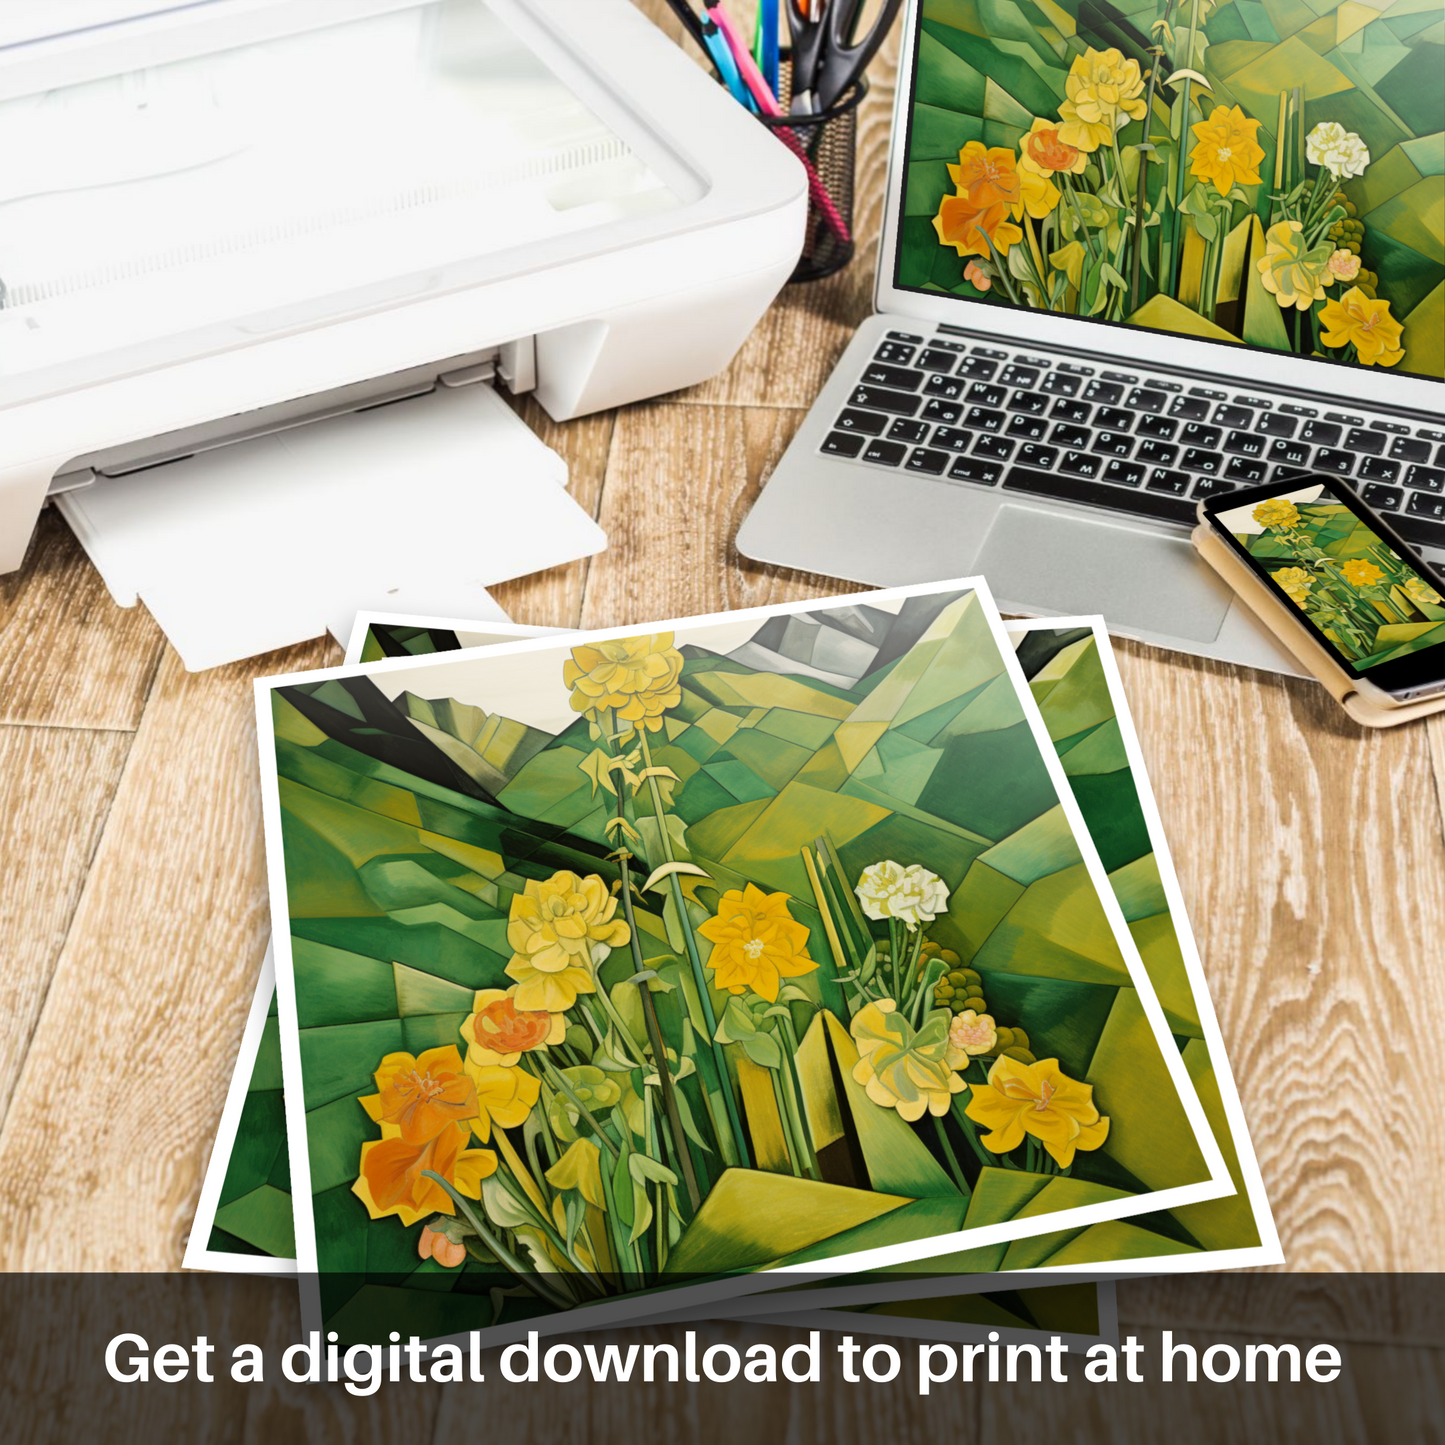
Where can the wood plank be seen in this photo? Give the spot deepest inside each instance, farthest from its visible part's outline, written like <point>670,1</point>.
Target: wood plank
<point>56,786</point>
<point>680,479</point>
<point>69,657</point>
<point>554,598</point>
<point>1311,858</point>
<point>115,1108</point>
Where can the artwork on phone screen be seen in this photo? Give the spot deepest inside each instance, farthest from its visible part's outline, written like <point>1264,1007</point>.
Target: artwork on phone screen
<point>1349,583</point>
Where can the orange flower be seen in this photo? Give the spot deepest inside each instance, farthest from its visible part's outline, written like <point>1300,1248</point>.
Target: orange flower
<point>423,1096</point>
<point>391,1179</point>
<point>1045,151</point>
<point>1365,321</point>
<point>500,1033</point>
<point>756,942</point>
<point>989,191</point>
<point>447,1252</point>
<point>1359,573</point>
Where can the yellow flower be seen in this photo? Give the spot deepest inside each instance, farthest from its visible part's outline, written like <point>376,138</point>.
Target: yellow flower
<point>559,931</point>
<point>500,1033</point>
<point>580,1169</point>
<point>1103,94</point>
<point>756,942</point>
<point>1070,260</point>
<point>1365,321</point>
<point>900,1069</point>
<point>1277,512</point>
<point>1036,1099</point>
<point>1295,582</point>
<point>969,1035</point>
<point>504,1096</point>
<point>638,677</point>
<point>1293,276</point>
<point>1421,591</point>
<point>391,1179</point>
<point>1359,573</point>
<point>989,191</point>
<point>1228,153</point>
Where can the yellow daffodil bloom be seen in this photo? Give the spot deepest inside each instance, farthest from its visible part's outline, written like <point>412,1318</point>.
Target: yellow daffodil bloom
<point>902,1069</point>
<point>559,931</point>
<point>1277,512</point>
<point>989,192</point>
<point>1296,583</point>
<point>504,1096</point>
<point>1359,573</point>
<point>1293,276</point>
<point>637,677</point>
<point>1228,152</point>
<point>1103,93</point>
<point>1036,1099</point>
<point>756,942</point>
<point>1367,323</point>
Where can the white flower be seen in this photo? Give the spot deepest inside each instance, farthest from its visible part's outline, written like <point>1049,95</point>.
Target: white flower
<point>912,894</point>
<point>1341,151</point>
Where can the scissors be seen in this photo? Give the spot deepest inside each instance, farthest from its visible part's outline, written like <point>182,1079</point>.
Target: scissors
<point>828,55</point>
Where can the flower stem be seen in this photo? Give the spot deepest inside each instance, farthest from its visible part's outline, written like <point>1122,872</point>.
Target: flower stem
<point>649,1012</point>
<point>559,1081</point>
<point>531,1278</point>
<point>970,1133</point>
<point>953,1165</point>
<point>735,1122</point>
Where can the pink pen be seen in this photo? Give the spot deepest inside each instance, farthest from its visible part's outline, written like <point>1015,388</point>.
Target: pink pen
<point>768,105</point>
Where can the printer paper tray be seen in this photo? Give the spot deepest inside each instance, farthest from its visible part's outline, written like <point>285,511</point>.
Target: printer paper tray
<point>416,506</point>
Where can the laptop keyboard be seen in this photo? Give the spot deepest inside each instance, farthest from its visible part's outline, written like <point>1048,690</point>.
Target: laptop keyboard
<point>1140,443</point>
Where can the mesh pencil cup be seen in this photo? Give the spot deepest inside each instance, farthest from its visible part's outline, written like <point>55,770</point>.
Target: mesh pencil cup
<point>827,144</point>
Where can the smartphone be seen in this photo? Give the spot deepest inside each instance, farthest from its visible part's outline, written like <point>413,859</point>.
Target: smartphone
<point>1343,573</point>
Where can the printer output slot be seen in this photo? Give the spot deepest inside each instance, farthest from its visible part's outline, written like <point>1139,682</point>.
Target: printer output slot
<point>514,363</point>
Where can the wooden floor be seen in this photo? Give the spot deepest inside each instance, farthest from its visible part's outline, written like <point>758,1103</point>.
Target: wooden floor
<point>134,916</point>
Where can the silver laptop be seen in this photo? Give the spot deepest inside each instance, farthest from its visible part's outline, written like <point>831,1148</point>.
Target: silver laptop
<point>1078,337</point>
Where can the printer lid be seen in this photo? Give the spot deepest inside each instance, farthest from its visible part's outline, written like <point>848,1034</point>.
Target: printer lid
<point>184,178</point>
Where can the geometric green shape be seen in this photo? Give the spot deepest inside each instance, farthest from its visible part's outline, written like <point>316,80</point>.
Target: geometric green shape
<point>1115,820</point>
<point>999,1195</point>
<point>1080,697</point>
<point>335,987</point>
<point>1114,1239</point>
<point>262,1218</point>
<point>751,1218</point>
<point>1139,889</point>
<point>1217,1223</point>
<point>425,993</point>
<point>943,79</point>
<point>995,706</point>
<point>260,1136</point>
<point>1101,752</point>
<point>266,1072</point>
<point>432,1031</point>
<point>1039,848</point>
<point>334,1136</point>
<point>1424,335</point>
<point>976,907</point>
<point>1059,930</point>
<point>1427,153</point>
<point>990,783</point>
<point>769,757</point>
<point>803,728</point>
<point>1158,946</point>
<point>937,134</point>
<point>741,782</point>
<point>341,1060</point>
<point>1149,1132</point>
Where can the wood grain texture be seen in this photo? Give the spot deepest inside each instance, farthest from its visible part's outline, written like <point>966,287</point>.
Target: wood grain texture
<point>56,786</point>
<point>680,480</point>
<point>69,657</point>
<point>150,991</point>
<point>1311,858</point>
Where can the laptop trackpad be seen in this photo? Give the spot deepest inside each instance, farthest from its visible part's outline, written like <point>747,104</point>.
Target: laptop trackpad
<point>1072,564</point>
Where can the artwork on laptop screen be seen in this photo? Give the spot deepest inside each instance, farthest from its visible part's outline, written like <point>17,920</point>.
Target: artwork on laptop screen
<point>1351,585</point>
<point>1256,171</point>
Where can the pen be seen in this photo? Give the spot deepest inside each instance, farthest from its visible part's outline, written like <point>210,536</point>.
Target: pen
<point>714,45</point>
<point>765,42</point>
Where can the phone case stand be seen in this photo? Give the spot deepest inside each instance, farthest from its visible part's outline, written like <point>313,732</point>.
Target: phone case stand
<point>1297,640</point>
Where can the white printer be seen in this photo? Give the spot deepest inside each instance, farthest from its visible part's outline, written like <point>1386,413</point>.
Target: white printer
<point>226,220</point>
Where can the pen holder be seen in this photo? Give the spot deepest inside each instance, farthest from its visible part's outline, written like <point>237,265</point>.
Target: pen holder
<point>827,144</point>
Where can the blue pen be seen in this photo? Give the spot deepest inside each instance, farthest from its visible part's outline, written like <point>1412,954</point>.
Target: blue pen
<point>727,67</point>
<point>768,30</point>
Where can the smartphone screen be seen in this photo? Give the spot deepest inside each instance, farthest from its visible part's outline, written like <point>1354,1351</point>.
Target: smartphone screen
<point>1360,589</point>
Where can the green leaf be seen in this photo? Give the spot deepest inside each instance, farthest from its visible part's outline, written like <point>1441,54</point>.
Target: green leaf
<point>1112,276</point>
<point>737,1027</point>
<point>670,869</point>
<point>645,1168</point>
<point>598,767</point>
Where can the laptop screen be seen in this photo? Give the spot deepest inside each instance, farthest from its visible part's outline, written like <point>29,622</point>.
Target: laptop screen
<point>1269,172</point>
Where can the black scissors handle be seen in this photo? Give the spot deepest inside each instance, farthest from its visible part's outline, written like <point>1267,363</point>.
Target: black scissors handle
<point>828,55</point>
